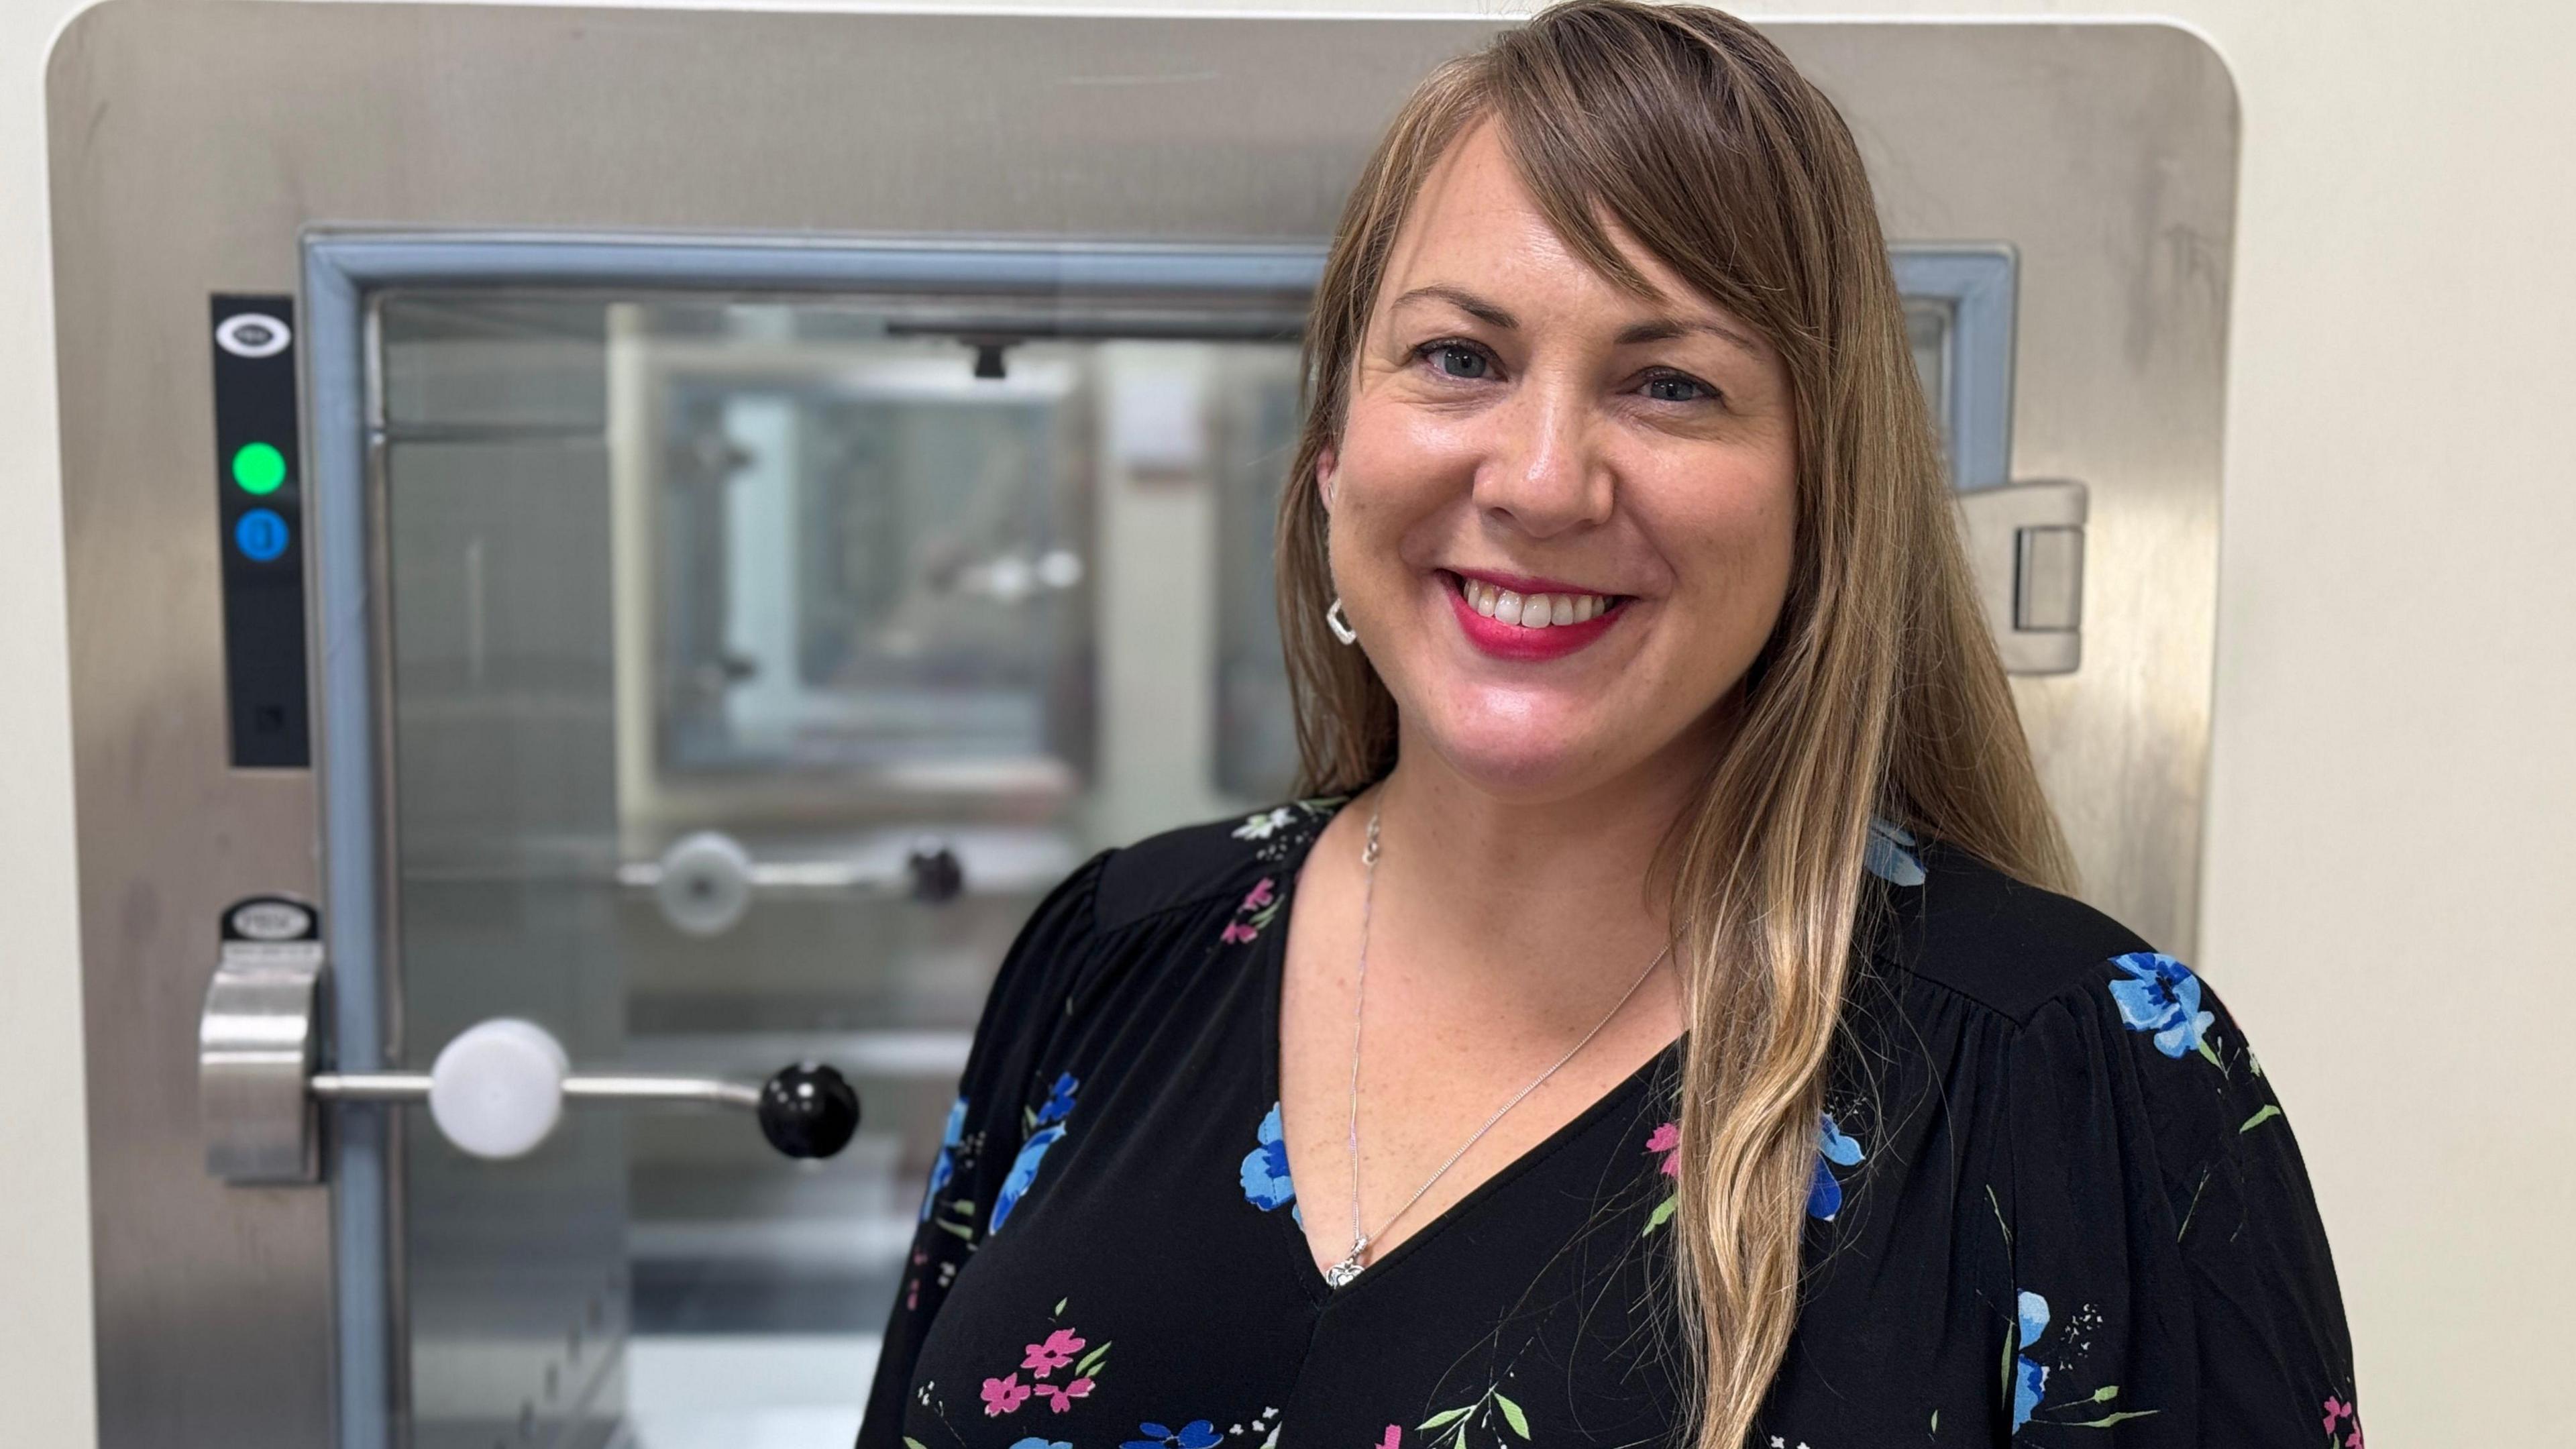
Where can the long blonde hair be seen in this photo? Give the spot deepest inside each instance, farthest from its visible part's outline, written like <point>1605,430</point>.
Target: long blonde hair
<point>1879,691</point>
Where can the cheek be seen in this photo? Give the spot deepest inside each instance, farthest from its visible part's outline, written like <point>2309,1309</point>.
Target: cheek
<point>1741,536</point>
<point>1395,467</point>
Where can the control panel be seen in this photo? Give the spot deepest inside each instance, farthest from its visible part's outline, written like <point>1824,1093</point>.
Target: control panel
<point>258,482</point>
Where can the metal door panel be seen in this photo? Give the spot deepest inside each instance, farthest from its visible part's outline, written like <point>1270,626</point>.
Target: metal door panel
<point>195,145</point>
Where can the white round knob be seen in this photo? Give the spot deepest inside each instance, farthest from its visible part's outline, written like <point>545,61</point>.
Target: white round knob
<point>706,883</point>
<point>497,1089</point>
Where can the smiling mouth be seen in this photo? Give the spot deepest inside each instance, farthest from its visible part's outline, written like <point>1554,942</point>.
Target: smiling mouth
<point>1532,612</point>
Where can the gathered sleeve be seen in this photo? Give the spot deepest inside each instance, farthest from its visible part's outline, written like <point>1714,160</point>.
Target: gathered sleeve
<point>999,1104</point>
<point>2170,1280</point>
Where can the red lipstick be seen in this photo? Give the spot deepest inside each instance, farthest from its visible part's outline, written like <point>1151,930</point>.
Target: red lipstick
<point>1511,641</point>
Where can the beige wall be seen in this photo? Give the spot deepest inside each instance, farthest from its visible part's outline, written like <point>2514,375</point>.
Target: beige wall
<point>2396,691</point>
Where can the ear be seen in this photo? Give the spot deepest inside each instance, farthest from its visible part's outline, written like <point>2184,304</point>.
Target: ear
<point>1328,462</point>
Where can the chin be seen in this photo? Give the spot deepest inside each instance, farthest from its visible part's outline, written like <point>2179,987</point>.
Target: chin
<point>1513,756</point>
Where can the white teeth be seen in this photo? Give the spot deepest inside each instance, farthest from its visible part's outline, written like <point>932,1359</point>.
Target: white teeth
<point>1531,611</point>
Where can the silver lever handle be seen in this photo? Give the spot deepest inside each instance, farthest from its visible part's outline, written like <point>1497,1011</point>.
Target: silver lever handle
<point>496,1091</point>
<point>705,881</point>
<point>499,1088</point>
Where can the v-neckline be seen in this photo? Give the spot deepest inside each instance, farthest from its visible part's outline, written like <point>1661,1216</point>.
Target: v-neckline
<point>1273,947</point>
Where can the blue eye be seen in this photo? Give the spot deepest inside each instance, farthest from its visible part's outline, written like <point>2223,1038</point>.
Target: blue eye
<point>1673,387</point>
<point>1451,359</point>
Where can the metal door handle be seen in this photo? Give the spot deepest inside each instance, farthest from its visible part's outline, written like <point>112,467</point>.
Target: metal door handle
<point>706,880</point>
<point>496,1091</point>
<point>2026,541</point>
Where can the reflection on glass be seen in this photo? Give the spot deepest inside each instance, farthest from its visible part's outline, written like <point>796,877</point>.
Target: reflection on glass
<point>825,575</point>
<point>875,568</point>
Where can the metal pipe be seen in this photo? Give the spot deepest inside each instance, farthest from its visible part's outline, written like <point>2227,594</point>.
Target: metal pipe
<point>662,1089</point>
<point>370,1086</point>
<point>414,1087</point>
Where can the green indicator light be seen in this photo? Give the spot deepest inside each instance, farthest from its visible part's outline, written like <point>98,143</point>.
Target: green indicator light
<point>259,468</point>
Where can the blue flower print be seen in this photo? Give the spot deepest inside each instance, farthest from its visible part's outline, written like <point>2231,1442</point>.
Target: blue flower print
<point>2028,1376</point>
<point>1048,1122</point>
<point>946,1167</point>
<point>1889,854</point>
<point>1059,1102</point>
<point>1196,1434</point>
<point>1825,1195</point>
<point>2162,996</point>
<point>1024,1170</point>
<point>1038,1441</point>
<point>1265,1170</point>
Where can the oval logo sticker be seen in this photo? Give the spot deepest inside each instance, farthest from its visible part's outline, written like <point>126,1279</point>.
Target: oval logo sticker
<point>252,334</point>
<point>272,921</point>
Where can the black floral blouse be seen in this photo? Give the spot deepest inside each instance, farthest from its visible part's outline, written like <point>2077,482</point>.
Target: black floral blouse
<point>2055,1203</point>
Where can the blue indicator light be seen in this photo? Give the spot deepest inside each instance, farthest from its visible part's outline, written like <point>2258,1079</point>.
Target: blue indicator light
<point>260,534</point>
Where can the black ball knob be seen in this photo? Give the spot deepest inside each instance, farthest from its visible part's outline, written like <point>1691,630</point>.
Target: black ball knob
<point>935,870</point>
<point>809,1110</point>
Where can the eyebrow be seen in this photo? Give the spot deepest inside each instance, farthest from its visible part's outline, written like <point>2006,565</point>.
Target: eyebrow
<point>1659,329</point>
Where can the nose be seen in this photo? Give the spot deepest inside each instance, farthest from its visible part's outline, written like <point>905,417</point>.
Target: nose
<point>1542,470</point>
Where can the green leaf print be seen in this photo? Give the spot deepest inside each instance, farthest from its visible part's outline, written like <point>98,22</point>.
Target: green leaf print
<point>1663,1214</point>
<point>1446,1416</point>
<point>2258,1119</point>
<point>1512,1414</point>
<point>2108,1420</point>
<point>1091,1361</point>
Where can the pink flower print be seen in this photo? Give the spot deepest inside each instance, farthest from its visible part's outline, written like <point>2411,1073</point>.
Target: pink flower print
<point>2338,1411</point>
<point>1058,1350</point>
<point>1061,1399</point>
<point>1001,1396</point>
<point>1259,905</point>
<point>1668,1141</point>
<point>1393,1433</point>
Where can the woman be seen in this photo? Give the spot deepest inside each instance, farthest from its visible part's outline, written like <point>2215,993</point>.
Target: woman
<point>1654,1023</point>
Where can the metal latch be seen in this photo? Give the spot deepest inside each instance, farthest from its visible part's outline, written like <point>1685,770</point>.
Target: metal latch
<point>495,1091</point>
<point>2026,543</point>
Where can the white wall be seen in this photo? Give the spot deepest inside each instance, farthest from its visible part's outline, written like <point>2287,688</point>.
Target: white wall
<point>2396,712</point>
<point>44,1196</point>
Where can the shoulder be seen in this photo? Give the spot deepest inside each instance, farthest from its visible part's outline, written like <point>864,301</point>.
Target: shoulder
<point>1956,922</point>
<point>1206,861</point>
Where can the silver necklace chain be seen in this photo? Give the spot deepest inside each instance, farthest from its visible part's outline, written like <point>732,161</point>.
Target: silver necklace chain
<point>1349,1267</point>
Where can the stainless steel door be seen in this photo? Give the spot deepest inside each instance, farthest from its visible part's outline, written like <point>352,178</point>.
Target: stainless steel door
<point>676,559</point>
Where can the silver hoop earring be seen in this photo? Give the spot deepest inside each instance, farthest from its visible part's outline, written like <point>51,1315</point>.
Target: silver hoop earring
<point>1340,626</point>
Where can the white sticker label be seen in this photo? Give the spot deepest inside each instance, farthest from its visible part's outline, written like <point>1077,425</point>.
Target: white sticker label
<point>252,334</point>
<point>272,921</point>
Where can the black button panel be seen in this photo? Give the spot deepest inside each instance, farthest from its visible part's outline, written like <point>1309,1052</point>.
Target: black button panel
<point>259,482</point>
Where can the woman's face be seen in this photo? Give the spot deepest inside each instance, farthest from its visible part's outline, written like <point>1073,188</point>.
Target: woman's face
<point>1520,425</point>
